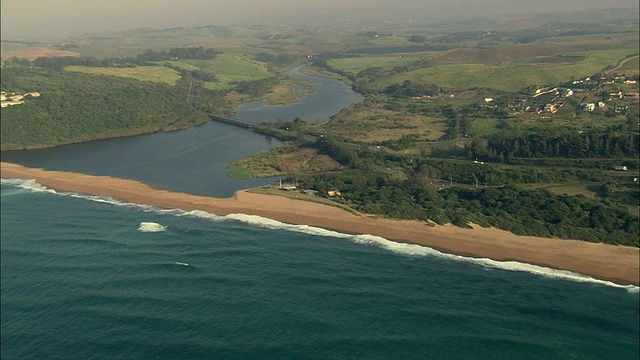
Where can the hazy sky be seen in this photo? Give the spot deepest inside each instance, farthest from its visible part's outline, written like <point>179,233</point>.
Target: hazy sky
<point>66,17</point>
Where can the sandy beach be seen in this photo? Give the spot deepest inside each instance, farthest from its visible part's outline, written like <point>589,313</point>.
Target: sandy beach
<point>618,264</point>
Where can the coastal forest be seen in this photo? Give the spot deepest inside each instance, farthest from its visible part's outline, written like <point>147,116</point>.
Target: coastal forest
<point>534,130</point>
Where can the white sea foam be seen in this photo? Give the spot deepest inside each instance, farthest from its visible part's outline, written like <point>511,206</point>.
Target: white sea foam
<point>28,184</point>
<point>199,214</point>
<point>181,263</point>
<point>399,248</point>
<point>151,227</point>
<point>418,250</point>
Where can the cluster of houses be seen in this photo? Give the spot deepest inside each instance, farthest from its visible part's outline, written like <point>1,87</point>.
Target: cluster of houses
<point>521,106</point>
<point>551,99</point>
<point>438,96</point>
<point>14,99</point>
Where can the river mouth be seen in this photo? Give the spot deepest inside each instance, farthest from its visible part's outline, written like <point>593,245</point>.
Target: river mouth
<point>192,160</point>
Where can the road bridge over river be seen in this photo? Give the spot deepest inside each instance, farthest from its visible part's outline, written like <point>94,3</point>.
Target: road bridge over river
<point>232,121</point>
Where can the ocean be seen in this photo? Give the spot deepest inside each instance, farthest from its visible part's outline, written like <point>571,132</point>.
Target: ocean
<point>94,278</point>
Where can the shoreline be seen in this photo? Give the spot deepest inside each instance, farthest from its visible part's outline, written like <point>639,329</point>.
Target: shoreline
<point>618,264</point>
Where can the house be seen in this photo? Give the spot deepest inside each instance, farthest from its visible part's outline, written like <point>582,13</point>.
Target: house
<point>552,108</point>
<point>588,107</point>
<point>310,192</point>
<point>601,105</point>
<point>332,193</point>
<point>14,99</point>
<point>632,95</point>
<point>614,94</point>
<point>11,102</point>
<point>630,82</point>
<point>567,92</point>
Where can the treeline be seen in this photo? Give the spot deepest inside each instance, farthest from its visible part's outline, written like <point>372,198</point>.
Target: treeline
<point>277,60</point>
<point>605,144</point>
<point>144,59</point>
<point>213,101</point>
<point>255,88</point>
<point>77,107</point>
<point>198,53</point>
<point>459,172</point>
<point>407,188</point>
<point>399,49</point>
<point>203,75</point>
<point>410,88</point>
<point>524,212</point>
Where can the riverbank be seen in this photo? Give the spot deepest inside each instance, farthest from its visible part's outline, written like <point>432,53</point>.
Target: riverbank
<point>618,264</point>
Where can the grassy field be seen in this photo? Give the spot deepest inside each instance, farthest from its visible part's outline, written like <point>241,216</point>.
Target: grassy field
<point>282,160</point>
<point>158,74</point>
<point>8,47</point>
<point>477,127</point>
<point>227,69</point>
<point>355,65</point>
<point>369,122</point>
<point>588,190</point>
<point>512,76</point>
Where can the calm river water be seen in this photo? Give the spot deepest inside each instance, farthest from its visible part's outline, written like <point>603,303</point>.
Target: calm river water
<point>191,160</point>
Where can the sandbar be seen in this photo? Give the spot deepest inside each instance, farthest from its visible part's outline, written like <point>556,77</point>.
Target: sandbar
<point>618,264</point>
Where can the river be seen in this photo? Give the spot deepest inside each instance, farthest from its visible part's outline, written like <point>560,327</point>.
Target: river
<point>191,160</point>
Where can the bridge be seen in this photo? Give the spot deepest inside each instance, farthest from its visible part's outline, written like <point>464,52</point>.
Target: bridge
<point>232,121</point>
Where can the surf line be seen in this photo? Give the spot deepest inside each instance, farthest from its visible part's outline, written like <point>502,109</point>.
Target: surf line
<point>407,249</point>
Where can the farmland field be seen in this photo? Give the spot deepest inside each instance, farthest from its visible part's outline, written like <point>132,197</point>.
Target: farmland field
<point>159,74</point>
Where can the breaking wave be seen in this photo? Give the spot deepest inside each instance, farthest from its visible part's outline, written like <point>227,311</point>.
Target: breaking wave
<point>151,227</point>
<point>396,247</point>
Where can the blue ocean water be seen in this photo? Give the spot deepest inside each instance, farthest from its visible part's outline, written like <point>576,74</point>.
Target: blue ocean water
<point>93,278</point>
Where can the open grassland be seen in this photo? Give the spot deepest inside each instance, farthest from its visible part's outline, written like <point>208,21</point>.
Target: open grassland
<point>566,118</point>
<point>512,76</point>
<point>6,47</point>
<point>32,53</point>
<point>229,68</point>
<point>481,127</point>
<point>356,65</point>
<point>589,190</point>
<point>284,159</point>
<point>289,91</point>
<point>158,74</point>
<point>230,40</point>
<point>631,66</point>
<point>369,122</point>
<point>342,39</point>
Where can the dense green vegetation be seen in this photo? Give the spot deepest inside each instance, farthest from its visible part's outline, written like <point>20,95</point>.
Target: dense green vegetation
<point>420,189</point>
<point>609,143</point>
<point>459,125</point>
<point>80,107</point>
